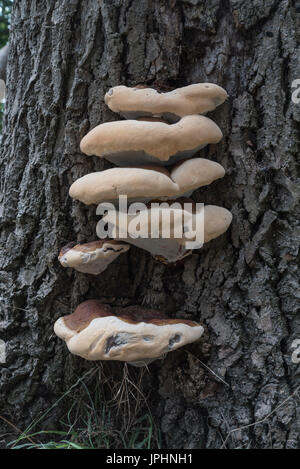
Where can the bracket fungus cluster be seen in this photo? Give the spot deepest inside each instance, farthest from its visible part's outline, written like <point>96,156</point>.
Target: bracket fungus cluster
<point>153,149</point>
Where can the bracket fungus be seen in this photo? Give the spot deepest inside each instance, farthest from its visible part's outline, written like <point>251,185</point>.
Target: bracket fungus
<point>137,335</point>
<point>140,101</point>
<point>138,142</point>
<point>164,129</point>
<point>146,183</point>
<point>91,258</point>
<point>200,227</point>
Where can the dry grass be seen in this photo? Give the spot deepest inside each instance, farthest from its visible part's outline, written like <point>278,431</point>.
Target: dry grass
<point>102,412</point>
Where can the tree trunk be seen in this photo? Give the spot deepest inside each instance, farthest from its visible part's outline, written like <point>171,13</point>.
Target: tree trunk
<point>63,56</point>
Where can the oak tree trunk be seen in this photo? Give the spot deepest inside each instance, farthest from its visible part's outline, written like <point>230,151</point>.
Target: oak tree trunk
<point>63,56</point>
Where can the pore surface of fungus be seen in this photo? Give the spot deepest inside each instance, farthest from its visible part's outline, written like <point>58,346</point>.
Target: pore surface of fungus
<point>97,331</point>
<point>135,143</point>
<point>91,258</point>
<point>208,225</point>
<point>146,183</point>
<point>138,102</point>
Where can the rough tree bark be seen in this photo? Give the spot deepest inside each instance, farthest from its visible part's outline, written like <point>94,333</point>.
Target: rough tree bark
<point>63,56</point>
<point>3,62</point>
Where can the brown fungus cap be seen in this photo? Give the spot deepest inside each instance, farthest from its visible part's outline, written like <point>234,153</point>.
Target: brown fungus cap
<point>96,331</point>
<point>134,143</point>
<point>91,258</point>
<point>135,102</point>
<point>145,183</point>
